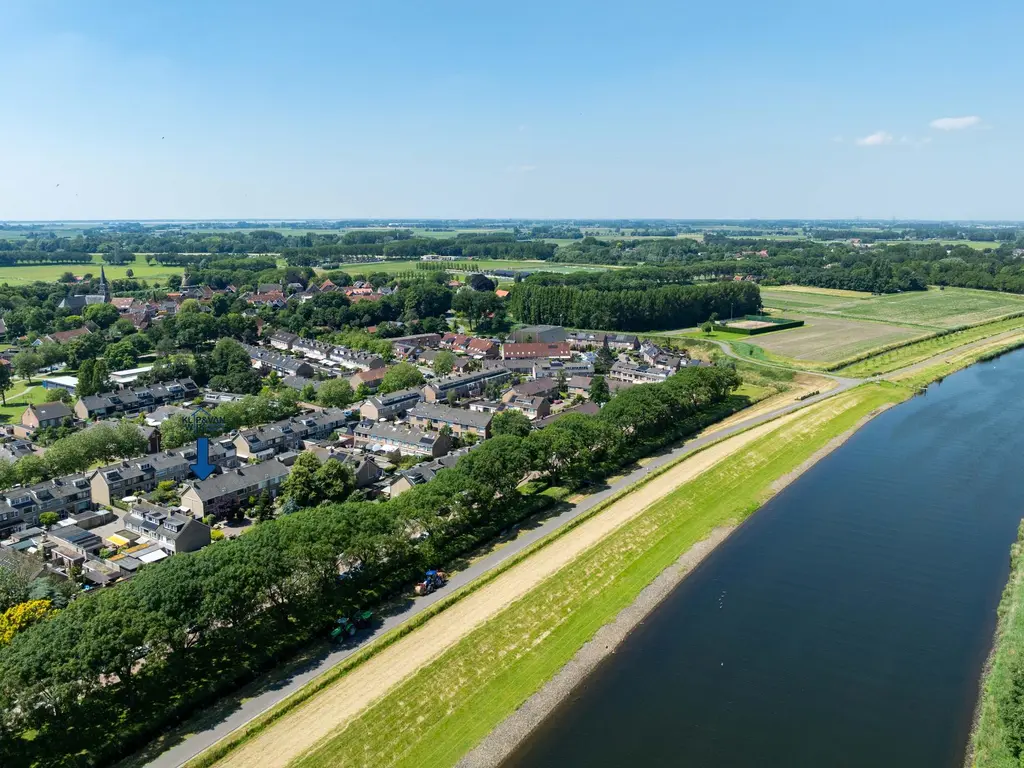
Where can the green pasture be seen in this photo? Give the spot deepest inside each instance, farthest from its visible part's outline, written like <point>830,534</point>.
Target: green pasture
<point>50,273</point>
<point>467,266</point>
<point>935,308</point>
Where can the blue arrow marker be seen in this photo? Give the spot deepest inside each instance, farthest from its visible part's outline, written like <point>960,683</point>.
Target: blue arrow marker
<point>202,468</point>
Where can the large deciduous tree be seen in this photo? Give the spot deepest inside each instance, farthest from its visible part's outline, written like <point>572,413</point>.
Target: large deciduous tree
<point>400,376</point>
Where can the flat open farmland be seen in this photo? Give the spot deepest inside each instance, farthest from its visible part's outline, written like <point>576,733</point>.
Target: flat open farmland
<point>934,308</point>
<point>823,292</point>
<point>829,339</point>
<point>50,273</point>
<point>449,233</point>
<point>479,265</point>
<point>940,309</point>
<point>809,300</point>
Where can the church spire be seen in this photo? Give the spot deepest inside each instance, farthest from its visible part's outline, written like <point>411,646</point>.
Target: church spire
<point>103,284</point>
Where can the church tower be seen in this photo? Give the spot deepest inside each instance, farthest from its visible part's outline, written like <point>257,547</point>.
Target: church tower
<point>104,288</point>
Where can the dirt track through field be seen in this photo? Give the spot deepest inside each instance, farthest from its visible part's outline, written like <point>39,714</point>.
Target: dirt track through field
<point>337,704</point>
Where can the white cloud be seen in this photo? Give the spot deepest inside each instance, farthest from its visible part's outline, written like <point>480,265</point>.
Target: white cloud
<point>955,123</point>
<point>876,139</point>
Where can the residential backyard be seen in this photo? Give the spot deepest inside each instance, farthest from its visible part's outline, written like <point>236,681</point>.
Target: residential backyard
<point>20,397</point>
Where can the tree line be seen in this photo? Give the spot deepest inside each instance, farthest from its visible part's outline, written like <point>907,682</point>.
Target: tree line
<point>19,258</point>
<point>895,265</point>
<point>666,306</point>
<point>484,246</point>
<point>101,677</point>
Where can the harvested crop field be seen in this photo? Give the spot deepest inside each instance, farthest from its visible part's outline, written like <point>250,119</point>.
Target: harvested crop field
<point>829,339</point>
<point>835,292</point>
<point>786,298</point>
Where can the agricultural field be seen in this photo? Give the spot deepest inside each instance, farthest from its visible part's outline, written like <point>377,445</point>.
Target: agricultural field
<point>821,340</point>
<point>69,229</point>
<point>444,235</point>
<point>978,245</point>
<point>480,265</point>
<point>796,298</point>
<point>226,230</point>
<point>935,309</point>
<point>840,325</point>
<point>830,339</point>
<point>911,354</point>
<point>436,715</point>
<point>50,273</point>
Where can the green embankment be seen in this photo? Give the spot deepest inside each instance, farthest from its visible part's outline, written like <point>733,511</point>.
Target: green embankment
<point>922,378</point>
<point>436,716</point>
<point>917,351</point>
<point>997,739</point>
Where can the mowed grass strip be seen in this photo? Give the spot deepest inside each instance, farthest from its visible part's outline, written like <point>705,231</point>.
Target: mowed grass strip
<point>441,712</point>
<point>919,351</point>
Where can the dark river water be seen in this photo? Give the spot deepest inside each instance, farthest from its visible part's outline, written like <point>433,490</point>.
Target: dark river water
<point>845,624</point>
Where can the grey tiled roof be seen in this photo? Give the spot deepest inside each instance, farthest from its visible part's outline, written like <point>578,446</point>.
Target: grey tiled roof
<point>449,415</point>
<point>55,410</point>
<point>235,480</point>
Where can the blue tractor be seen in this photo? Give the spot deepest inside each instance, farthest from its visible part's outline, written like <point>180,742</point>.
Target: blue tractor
<point>433,580</point>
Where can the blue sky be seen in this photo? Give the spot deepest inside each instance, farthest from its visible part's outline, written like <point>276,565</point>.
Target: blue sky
<point>528,109</point>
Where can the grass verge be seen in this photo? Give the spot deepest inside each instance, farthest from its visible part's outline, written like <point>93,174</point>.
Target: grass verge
<point>441,712</point>
<point>994,740</point>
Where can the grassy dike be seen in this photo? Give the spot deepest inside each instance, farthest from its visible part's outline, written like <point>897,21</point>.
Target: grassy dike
<point>915,351</point>
<point>1000,723</point>
<point>920,379</point>
<point>441,712</point>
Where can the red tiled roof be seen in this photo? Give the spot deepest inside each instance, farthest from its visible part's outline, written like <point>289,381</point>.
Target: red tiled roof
<point>64,336</point>
<point>535,350</point>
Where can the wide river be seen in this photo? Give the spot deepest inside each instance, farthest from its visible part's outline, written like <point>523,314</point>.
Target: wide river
<point>845,624</point>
